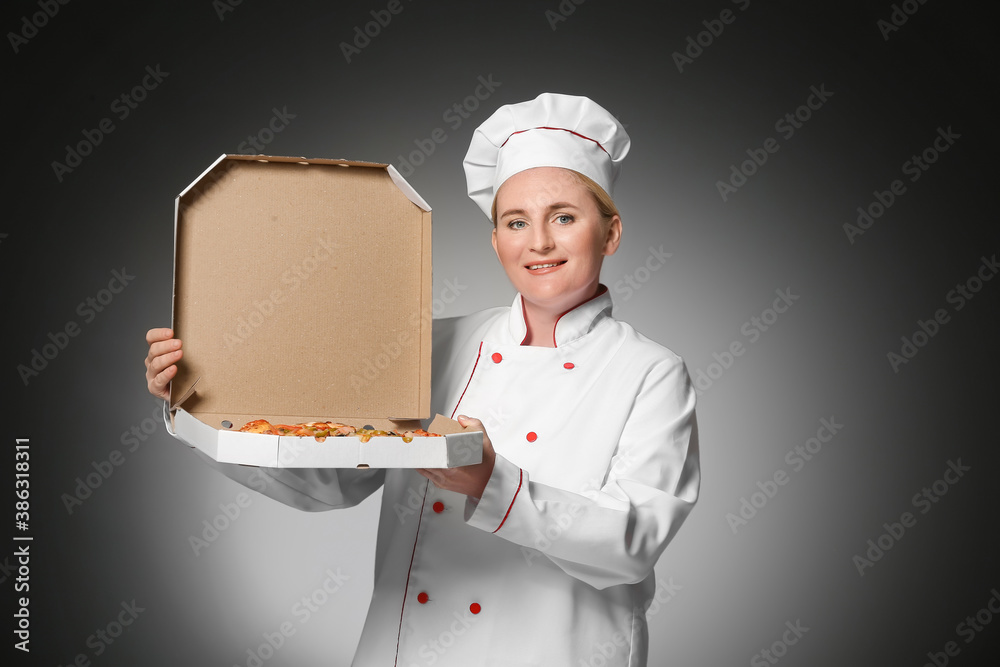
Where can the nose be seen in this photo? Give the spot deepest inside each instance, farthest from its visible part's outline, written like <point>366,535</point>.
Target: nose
<point>541,241</point>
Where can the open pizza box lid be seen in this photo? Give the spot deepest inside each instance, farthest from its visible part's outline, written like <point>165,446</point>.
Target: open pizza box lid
<point>302,292</point>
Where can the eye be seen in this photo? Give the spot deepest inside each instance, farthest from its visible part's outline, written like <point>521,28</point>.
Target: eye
<point>517,224</point>
<point>564,219</point>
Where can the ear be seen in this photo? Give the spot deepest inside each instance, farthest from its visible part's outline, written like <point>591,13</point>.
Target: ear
<point>494,239</point>
<point>614,236</point>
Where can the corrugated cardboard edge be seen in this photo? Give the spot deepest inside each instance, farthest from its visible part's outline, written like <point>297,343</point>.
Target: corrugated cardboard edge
<point>173,282</point>
<point>396,177</point>
<point>196,181</point>
<point>427,315</point>
<point>173,276</point>
<point>426,270</point>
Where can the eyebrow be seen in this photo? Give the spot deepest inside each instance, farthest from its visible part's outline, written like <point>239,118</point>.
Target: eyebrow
<point>550,207</point>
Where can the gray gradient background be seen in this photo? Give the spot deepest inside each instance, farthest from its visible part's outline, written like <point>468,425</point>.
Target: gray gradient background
<point>825,357</point>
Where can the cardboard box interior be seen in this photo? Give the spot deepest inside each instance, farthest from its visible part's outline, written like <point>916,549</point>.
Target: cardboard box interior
<point>302,291</point>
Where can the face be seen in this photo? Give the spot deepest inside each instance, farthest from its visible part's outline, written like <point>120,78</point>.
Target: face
<point>550,238</point>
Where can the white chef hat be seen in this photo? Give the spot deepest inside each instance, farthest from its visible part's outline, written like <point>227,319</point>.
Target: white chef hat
<point>552,130</point>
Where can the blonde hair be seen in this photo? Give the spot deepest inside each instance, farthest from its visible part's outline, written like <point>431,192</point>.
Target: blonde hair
<point>605,205</point>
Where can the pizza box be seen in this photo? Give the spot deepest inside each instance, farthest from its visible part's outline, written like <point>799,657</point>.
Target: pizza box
<point>302,292</point>
<point>456,447</point>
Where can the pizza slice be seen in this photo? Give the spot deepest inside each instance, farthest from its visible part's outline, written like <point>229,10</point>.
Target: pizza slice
<point>259,426</point>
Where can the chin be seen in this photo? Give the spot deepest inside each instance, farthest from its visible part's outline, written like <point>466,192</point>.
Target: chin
<point>554,297</point>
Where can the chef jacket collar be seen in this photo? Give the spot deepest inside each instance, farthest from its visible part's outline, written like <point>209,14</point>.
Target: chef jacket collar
<point>571,325</point>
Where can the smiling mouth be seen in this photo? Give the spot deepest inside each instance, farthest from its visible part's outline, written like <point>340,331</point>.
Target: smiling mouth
<point>546,265</point>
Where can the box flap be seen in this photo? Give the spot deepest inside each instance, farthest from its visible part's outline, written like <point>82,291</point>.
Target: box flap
<point>302,289</point>
<point>406,188</point>
<point>446,426</point>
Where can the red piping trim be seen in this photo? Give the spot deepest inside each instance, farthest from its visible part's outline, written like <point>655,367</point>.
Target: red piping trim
<point>582,136</point>
<point>599,293</point>
<point>524,318</point>
<point>520,479</point>
<point>478,354</point>
<point>399,632</point>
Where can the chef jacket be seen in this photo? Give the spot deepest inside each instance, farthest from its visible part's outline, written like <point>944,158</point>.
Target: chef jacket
<point>596,469</point>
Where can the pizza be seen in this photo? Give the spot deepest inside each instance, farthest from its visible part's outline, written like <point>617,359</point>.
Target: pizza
<point>324,430</point>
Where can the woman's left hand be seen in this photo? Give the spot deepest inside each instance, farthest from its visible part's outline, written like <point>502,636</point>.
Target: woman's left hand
<point>470,480</point>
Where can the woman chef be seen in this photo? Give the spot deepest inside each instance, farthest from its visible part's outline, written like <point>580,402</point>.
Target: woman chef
<point>543,554</point>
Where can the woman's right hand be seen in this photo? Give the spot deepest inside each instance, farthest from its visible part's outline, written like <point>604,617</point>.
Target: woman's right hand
<point>161,362</point>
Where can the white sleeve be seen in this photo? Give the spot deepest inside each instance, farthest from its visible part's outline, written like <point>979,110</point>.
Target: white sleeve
<point>615,534</point>
<point>308,489</point>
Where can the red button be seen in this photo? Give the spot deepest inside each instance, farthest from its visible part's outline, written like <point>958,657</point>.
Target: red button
<point>438,507</point>
<point>423,598</point>
<point>475,608</point>
<point>497,357</point>
<point>568,365</point>
<point>532,436</point>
